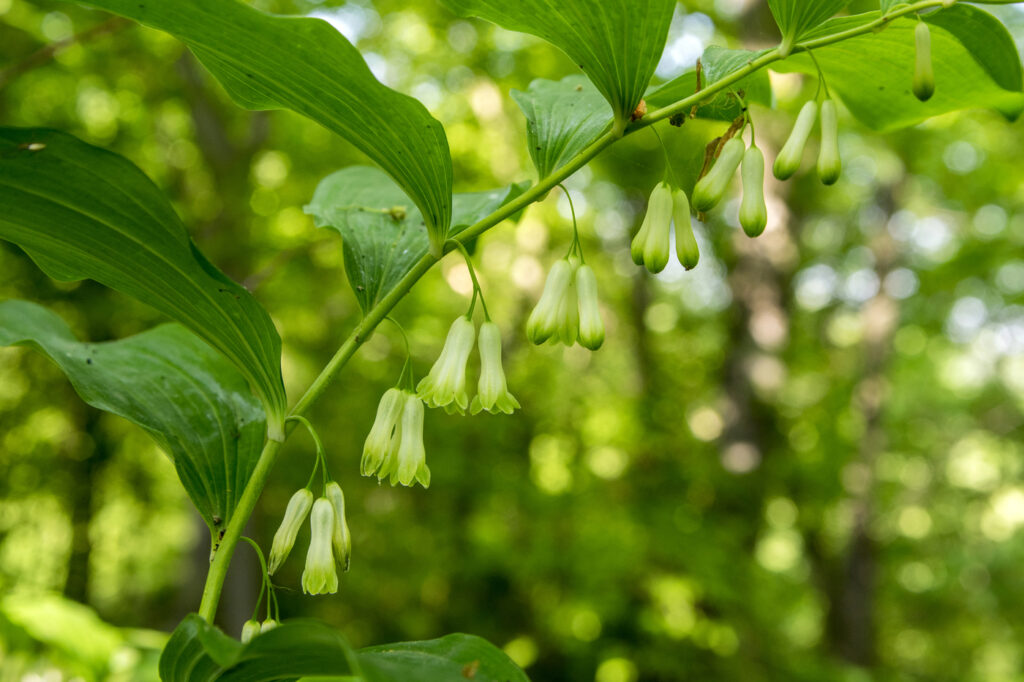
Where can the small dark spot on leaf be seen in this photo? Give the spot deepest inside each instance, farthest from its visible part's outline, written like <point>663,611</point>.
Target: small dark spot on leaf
<point>470,669</point>
<point>217,520</point>
<point>88,361</point>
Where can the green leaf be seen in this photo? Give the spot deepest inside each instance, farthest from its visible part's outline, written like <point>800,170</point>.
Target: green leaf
<point>200,652</point>
<point>617,43</point>
<point>889,5</point>
<point>454,658</point>
<point>796,17</point>
<point>562,119</point>
<point>82,212</point>
<point>192,401</point>
<point>717,63</point>
<point>382,236</point>
<point>304,64</point>
<point>976,65</point>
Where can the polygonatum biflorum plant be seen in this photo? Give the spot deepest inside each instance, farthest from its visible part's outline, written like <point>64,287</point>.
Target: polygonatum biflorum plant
<point>208,385</point>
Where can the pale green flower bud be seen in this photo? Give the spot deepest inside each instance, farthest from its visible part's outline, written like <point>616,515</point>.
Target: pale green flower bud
<point>250,630</point>
<point>711,189</point>
<point>924,71</point>
<point>341,539</point>
<point>787,163</point>
<point>268,625</point>
<point>543,322</point>
<point>830,165</point>
<point>319,576</point>
<point>446,383</point>
<point>411,463</point>
<point>492,390</point>
<point>381,443</point>
<point>591,327</point>
<point>284,539</point>
<point>650,246</point>
<point>569,311</point>
<point>686,243</point>
<point>753,211</point>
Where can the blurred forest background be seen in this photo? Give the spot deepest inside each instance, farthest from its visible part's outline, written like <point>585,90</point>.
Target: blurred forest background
<point>801,461</point>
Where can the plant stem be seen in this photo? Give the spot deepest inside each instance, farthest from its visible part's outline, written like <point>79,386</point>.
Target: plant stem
<point>376,314</point>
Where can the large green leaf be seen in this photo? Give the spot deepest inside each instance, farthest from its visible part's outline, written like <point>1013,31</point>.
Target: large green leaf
<point>975,60</point>
<point>617,43</point>
<point>192,401</point>
<point>454,658</point>
<point>716,64</point>
<point>382,236</point>
<point>796,17</point>
<point>199,652</point>
<point>304,64</point>
<point>562,119</point>
<point>82,212</point>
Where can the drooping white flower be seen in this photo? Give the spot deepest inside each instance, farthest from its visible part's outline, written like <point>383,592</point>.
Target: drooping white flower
<point>284,539</point>
<point>544,320</point>
<point>250,629</point>
<point>411,464</point>
<point>319,576</point>
<point>591,333</point>
<point>493,394</point>
<point>445,385</point>
<point>381,442</point>
<point>341,540</point>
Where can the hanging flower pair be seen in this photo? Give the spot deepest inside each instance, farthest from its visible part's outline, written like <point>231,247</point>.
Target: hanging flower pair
<point>568,310</point>
<point>330,542</point>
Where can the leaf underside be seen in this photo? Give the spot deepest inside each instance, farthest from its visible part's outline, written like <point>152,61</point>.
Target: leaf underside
<point>304,64</point>
<point>187,396</point>
<point>381,245</point>
<point>975,61</point>
<point>81,212</point>
<point>617,43</point>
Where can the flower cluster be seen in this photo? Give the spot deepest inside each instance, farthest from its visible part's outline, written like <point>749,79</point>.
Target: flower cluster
<point>651,244</point>
<point>394,448</point>
<point>329,541</point>
<point>445,385</point>
<point>568,309</point>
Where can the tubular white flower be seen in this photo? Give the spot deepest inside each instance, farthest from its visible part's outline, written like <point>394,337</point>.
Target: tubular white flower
<point>445,385</point>
<point>492,390</point>
<point>650,246</point>
<point>250,630</point>
<point>411,464</point>
<point>543,322</point>
<point>284,539</point>
<point>319,576</point>
<point>341,539</point>
<point>381,442</point>
<point>591,327</point>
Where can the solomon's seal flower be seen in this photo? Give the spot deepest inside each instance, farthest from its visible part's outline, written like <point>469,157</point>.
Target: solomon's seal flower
<point>544,320</point>
<point>445,385</point>
<point>341,540</point>
<point>284,538</point>
<point>379,443</point>
<point>493,394</point>
<point>268,625</point>
<point>411,462</point>
<point>250,630</point>
<point>319,576</point>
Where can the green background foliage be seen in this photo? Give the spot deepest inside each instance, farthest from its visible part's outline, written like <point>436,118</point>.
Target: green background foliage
<point>801,461</point>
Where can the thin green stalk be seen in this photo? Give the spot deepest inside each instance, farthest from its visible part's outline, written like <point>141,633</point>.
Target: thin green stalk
<point>246,504</point>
